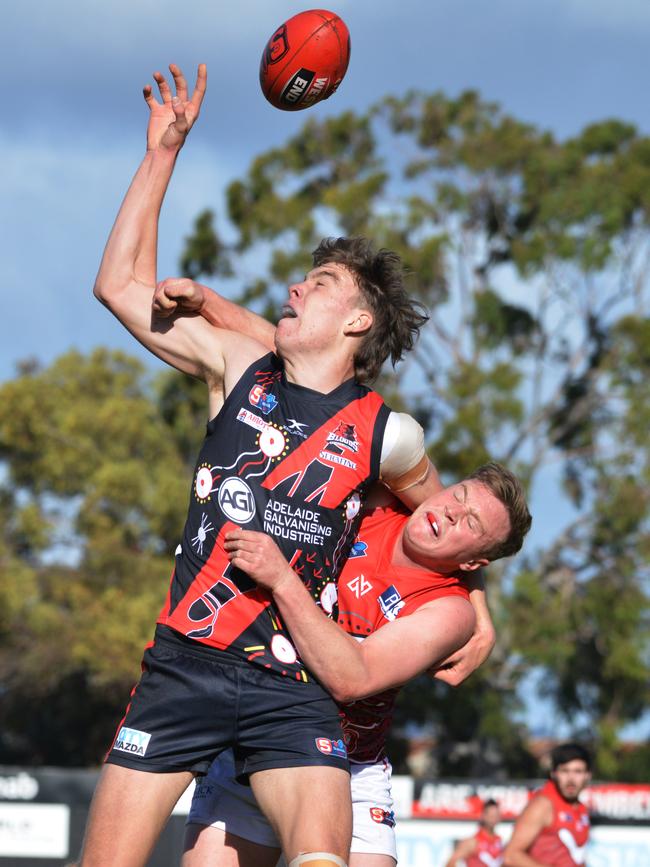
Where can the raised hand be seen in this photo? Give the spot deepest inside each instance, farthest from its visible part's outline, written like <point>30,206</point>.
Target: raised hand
<point>171,120</point>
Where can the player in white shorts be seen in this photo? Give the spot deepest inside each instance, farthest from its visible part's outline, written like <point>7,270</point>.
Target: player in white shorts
<point>222,803</point>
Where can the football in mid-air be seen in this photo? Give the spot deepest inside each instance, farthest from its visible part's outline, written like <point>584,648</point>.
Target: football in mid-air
<point>305,60</point>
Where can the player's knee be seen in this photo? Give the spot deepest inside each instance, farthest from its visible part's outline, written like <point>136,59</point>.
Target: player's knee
<point>317,859</point>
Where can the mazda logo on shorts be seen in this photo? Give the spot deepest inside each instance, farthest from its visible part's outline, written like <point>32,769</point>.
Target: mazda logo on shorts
<point>236,500</point>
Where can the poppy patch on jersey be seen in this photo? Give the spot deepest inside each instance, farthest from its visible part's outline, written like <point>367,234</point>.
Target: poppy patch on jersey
<point>132,741</point>
<point>266,401</point>
<point>332,748</point>
<point>236,500</point>
<point>382,817</point>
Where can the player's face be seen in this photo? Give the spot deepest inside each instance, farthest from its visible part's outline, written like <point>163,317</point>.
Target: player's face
<point>320,311</point>
<point>571,778</point>
<point>454,527</point>
<point>491,817</point>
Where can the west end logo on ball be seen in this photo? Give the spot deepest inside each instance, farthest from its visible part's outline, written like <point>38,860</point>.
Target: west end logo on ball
<point>297,86</point>
<point>236,500</point>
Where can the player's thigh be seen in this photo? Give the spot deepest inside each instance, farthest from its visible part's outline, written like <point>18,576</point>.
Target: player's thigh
<point>283,793</point>
<point>128,811</point>
<point>206,846</point>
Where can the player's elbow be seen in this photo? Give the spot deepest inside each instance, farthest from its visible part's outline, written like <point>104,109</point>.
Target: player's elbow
<point>106,292</point>
<point>345,690</point>
<point>350,689</point>
<point>341,693</point>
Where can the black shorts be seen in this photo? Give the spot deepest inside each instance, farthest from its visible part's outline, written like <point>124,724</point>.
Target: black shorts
<point>192,703</point>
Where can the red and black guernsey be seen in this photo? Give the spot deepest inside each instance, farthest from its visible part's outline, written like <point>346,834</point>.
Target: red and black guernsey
<point>373,591</point>
<point>295,464</point>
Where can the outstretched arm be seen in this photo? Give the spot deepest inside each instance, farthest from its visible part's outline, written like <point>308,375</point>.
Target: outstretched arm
<point>349,669</point>
<point>127,274</point>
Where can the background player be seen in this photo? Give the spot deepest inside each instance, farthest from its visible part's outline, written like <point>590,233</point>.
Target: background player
<point>408,617</point>
<point>216,624</point>
<point>553,830</point>
<point>485,848</point>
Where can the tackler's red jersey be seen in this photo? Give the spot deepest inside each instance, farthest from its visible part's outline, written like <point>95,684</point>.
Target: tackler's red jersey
<point>373,592</point>
<point>563,843</point>
<point>291,462</point>
<point>488,852</point>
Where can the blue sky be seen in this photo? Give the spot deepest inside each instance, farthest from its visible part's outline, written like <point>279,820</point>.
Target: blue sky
<point>73,125</point>
<point>73,120</point>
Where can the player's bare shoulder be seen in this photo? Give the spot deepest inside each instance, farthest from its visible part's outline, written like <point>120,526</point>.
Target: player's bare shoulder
<point>239,352</point>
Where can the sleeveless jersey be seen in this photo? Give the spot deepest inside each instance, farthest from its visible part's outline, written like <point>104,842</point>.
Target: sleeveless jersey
<point>372,593</point>
<point>291,462</point>
<point>563,842</point>
<point>488,852</point>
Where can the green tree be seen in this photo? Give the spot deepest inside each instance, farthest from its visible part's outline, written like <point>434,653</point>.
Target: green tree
<point>92,499</point>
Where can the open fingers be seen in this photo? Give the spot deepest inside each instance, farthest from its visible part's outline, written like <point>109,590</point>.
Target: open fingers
<point>149,98</point>
<point>179,81</point>
<point>163,87</point>
<point>199,87</point>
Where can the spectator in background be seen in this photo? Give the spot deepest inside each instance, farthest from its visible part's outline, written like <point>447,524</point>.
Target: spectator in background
<point>485,848</point>
<point>553,830</point>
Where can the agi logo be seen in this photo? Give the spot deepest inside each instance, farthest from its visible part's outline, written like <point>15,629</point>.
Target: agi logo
<point>236,500</point>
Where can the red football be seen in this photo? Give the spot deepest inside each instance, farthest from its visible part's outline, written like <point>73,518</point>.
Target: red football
<point>305,60</point>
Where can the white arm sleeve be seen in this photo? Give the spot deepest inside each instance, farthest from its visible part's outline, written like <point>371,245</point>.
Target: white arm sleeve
<point>402,449</point>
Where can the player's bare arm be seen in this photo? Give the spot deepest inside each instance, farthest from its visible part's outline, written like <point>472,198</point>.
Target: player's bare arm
<point>127,275</point>
<point>463,850</point>
<point>349,669</point>
<point>537,816</point>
